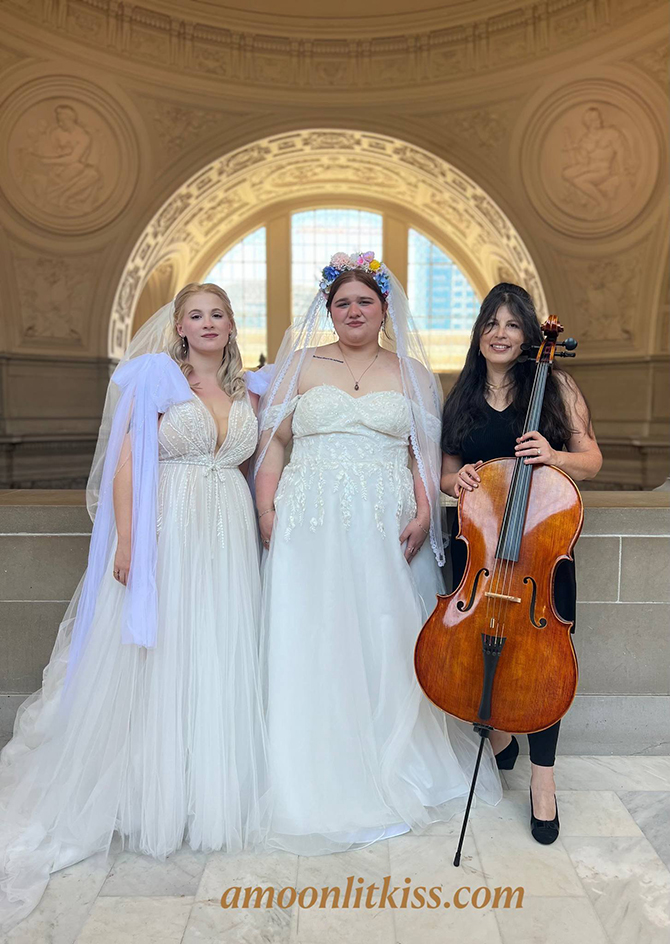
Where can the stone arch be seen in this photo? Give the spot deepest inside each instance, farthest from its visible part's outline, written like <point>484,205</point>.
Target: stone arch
<point>216,205</point>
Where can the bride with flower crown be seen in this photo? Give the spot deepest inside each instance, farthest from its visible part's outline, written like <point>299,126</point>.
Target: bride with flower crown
<point>352,531</point>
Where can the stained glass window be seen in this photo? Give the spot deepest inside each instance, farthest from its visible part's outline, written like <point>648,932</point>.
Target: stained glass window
<point>242,273</point>
<point>443,302</point>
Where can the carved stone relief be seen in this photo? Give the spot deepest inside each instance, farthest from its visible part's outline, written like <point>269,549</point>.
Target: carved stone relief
<point>590,158</point>
<point>307,164</point>
<point>656,63</point>
<point>486,127</point>
<point>55,294</point>
<point>70,163</point>
<point>179,127</point>
<point>606,293</point>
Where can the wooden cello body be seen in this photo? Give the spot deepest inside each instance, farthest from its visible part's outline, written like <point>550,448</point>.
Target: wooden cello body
<point>536,670</point>
<point>495,652</point>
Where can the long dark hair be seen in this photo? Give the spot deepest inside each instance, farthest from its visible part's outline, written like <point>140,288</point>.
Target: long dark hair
<point>465,407</point>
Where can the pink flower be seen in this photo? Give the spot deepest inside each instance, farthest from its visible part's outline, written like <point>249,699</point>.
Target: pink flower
<point>366,257</point>
<point>339,259</point>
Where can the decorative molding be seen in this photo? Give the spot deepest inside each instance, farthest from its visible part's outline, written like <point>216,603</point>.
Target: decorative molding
<point>483,128</point>
<point>305,165</point>
<point>607,295</point>
<point>179,126</point>
<point>55,293</point>
<point>590,157</point>
<point>447,46</point>
<point>656,63</point>
<point>71,161</point>
<point>9,58</point>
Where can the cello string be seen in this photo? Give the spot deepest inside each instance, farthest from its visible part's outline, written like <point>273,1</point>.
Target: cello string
<point>519,499</point>
<point>509,528</point>
<point>532,421</point>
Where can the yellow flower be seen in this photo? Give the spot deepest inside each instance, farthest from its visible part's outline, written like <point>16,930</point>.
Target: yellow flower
<point>374,265</point>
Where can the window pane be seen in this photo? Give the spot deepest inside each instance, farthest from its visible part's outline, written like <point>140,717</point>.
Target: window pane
<point>242,273</point>
<point>316,235</point>
<point>443,303</point>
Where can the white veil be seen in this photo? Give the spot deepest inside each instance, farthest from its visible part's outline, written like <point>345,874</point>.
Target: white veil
<point>153,338</point>
<point>144,384</point>
<point>420,386</point>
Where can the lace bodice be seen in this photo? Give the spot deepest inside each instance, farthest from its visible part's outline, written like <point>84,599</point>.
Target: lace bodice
<point>188,434</point>
<point>354,446</point>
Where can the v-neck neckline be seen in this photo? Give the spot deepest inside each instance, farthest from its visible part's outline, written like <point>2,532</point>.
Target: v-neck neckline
<point>217,449</point>
<point>494,409</point>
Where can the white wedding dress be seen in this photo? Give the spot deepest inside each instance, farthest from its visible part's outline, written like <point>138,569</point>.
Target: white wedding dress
<point>356,751</point>
<point>163,745</point>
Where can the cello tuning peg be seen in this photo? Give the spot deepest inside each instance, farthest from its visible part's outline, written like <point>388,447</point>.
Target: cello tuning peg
<point>569,344</point>
<point>528,350</point>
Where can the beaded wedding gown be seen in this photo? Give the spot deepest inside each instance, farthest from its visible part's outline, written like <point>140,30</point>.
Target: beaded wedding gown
<point>164,745</point>
<point>356,751</point>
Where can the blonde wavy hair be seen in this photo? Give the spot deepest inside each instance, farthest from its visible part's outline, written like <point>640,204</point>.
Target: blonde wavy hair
<point>229,374</point>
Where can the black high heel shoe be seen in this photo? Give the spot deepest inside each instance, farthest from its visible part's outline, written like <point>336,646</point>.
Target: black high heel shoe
<point>544,830</point>
<point>506,759</point>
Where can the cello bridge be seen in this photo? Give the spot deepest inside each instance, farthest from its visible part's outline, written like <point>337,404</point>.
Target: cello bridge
<point>502,596</point>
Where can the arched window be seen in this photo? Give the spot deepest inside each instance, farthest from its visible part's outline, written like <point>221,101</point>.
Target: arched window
<point>316,235</point>
<point>242,272</point>
<point>443,302</point>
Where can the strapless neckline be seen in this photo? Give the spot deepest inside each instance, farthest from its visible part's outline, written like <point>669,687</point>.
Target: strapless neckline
<point>372,393</point>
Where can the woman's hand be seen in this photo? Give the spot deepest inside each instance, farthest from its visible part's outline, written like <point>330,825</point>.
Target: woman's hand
<point>467,478</point>
<point>415,534</point>
<point>534,449</point>
<point>121,567</point>
<point>266,523</point>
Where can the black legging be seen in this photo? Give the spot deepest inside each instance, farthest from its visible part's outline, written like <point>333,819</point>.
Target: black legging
<point>542,746</point>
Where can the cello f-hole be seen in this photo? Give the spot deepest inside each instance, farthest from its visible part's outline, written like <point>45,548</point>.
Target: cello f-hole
<point>543,621</point>
<point>464,607</point>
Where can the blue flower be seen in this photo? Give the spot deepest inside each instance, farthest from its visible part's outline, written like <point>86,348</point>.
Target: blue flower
<point>330,273</point>
<point>382,280</point>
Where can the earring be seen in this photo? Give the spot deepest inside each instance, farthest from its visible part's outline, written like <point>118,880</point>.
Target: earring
<point>184,346</point>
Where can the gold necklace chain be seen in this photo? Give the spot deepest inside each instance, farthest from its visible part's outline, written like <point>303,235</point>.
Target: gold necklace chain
<point>498,386</point>
<point>357,382</point>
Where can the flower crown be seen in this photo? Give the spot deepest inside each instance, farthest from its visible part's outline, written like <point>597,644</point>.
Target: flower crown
<point>366,261</point>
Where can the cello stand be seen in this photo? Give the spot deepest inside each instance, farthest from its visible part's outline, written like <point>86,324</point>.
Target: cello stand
<point>483,731</point>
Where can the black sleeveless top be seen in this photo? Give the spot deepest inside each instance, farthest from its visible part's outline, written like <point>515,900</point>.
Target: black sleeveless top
<point>495,439</point>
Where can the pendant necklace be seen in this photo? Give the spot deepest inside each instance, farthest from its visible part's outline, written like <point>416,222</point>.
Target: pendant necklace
<point>357,382</point>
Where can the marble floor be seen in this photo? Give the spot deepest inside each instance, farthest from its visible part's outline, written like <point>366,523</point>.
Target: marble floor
<point>606,879</point>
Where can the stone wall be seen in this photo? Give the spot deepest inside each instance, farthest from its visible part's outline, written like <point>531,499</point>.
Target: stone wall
<point>528,139</point>
<point>623,613</point>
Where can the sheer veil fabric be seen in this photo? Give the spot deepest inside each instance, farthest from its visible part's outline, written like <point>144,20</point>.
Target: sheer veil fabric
<point>356,751</point>
<point>421,389</point>
<point>149,718</point>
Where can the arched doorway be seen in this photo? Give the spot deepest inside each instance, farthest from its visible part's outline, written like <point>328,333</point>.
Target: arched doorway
<point>267,181</point>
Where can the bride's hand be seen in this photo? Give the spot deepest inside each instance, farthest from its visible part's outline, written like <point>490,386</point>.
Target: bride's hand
<point>266,523</point>
<point>121,567</point>
<point>415,534</point>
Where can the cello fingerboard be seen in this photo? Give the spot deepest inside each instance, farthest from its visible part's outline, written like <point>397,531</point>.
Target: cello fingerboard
<point>511,531</point>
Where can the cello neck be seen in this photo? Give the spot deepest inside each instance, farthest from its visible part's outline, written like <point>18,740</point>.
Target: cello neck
<point>534,410</point>
<point>509,541</point>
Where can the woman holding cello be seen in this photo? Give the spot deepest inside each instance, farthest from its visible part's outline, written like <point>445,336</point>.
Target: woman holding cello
<point>483,419</point>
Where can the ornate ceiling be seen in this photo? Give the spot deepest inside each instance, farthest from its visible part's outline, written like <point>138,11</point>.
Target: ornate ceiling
<point>389,47</point>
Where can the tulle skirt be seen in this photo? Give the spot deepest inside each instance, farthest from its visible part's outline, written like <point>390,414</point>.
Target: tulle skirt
<point>165,745</point>
<point>357,753</point>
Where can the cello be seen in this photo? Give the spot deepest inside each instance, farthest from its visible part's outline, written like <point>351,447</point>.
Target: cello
<point>495,653</point>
